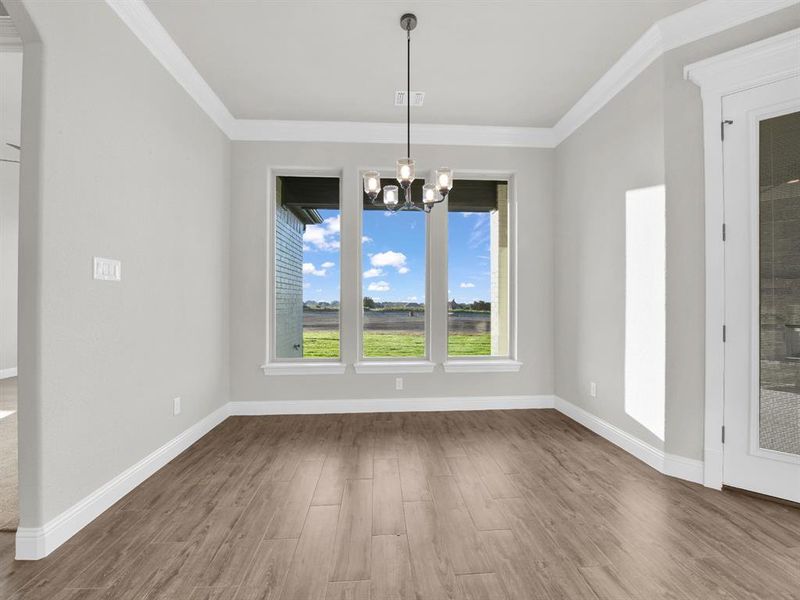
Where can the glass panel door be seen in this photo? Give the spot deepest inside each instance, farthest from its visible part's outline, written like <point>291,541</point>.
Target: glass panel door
<point>779,263</point>
<point>761,449</point>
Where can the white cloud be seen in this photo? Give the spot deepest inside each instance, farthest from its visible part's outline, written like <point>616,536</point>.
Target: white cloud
<point>378,286</point>
<point>324,236</point>
<point>411,299</point>
<point>333,224</point>
<point>306,285</point>
<point>328,265</point>
<point>310,269</point>
<point>369,273</point>
<point>390,258</point>
<point>479,236</point>
<point>365,239</point>
<point>466,284</point>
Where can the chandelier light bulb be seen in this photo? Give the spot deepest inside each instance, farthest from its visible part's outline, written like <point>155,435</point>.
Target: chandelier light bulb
<point>444,180</point>
<point>372,184</point>
<point>429,193</point>
<point>390,197</point>
<point>405,172</point>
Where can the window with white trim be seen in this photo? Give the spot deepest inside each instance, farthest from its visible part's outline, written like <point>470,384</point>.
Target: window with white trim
<point>306,281</point>
<point>478,269</point>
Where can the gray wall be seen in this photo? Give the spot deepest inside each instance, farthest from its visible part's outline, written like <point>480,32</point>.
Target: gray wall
<point>618,149</point>
<point>118,162</point>
<point>10,114</point>
<point>650,133</point>
<point>534,178</point>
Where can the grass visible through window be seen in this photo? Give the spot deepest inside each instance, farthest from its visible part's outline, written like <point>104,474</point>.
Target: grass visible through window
<point>325,344</point>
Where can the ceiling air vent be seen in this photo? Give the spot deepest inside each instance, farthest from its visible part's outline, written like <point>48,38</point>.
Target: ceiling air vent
<point>401,99</point>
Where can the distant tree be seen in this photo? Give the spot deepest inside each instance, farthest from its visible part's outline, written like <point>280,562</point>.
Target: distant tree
<point>481,305</point>
<point>369,302</point>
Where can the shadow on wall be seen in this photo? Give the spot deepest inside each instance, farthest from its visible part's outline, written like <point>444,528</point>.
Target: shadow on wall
<point>645,307</point>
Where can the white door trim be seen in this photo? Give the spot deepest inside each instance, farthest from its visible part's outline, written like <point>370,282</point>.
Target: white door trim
<point>763,62</point>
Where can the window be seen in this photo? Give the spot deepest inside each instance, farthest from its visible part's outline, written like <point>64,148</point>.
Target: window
<point>393,280</point>
<point>478,269</point>
<point>306,262</point>
<point>409,310</point>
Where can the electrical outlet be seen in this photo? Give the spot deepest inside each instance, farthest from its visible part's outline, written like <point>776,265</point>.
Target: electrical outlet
<point>593,389</point>
<point>398,383</point>
<point>176,406</point>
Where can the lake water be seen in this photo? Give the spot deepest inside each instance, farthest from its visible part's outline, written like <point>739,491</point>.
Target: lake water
<point>396,320</point>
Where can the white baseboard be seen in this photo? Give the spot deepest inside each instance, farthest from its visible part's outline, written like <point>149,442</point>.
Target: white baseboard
<point>321,407</point>
<point>668,464</point>
<point>8,373</point>
<point>632,445</point>
<point>34,543</point>
<point>681,467</point>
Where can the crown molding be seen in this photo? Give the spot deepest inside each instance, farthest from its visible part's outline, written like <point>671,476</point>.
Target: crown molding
<point>10,40</point>
<point>694,23</point>
<point>689,25</point>
<point>390,133</point>
<point>144,25</point>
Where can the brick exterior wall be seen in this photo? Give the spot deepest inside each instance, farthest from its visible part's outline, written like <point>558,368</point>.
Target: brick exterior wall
<point>288,285</point>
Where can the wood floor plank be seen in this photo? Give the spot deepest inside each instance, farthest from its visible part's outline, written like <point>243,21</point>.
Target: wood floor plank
<point>226,564</point>
<point>433,574</point>
<point>288,522</point>
<point>351,559</point>
<point>391,569</point>
<point>413,482</point>
<point>268,570</point>
<point>464,547</point>
<point>340,464</point>
<point>485,511</point>
<point>517,570</point>
<point>607,584</point>
<point>348,590</point>
<point>481,586</point>
<point>216,593</point>
<point>387,498</point>
<point>497,482</point>
<point>308,572</point>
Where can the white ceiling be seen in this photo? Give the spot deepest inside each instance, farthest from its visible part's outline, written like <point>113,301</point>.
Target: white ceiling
<point>501,62</point>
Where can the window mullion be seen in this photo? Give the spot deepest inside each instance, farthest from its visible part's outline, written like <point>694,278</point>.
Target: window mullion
<point>436,293</point>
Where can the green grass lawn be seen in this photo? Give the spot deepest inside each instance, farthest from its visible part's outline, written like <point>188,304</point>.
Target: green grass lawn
<point>325,344</point>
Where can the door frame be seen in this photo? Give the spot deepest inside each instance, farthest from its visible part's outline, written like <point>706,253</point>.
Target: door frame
<point>760,63</point>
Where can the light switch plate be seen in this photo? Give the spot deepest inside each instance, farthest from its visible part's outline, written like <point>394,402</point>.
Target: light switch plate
<point>107,269</point>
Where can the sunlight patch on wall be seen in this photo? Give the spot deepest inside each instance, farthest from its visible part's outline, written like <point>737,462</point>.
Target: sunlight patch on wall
<point>645,306</point>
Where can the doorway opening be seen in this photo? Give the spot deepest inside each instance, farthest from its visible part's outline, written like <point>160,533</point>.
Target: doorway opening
<point>10,150</point>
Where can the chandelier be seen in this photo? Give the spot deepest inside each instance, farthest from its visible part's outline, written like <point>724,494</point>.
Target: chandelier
<point>432,193</point>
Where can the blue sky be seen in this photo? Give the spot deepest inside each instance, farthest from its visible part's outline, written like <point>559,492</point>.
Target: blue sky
<point>468,257</point>
<point>393,257</point>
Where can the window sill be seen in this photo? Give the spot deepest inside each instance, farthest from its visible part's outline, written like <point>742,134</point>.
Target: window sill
<point>304,368</point>
<point>482,366</point>
<point>388,366</point>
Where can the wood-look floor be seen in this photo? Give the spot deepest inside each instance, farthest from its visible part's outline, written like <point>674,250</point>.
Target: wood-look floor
<point>516,505</point>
